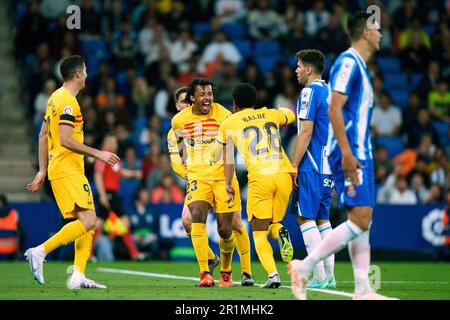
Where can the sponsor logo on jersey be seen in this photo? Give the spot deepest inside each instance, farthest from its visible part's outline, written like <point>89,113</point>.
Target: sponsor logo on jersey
<point>67,110</point>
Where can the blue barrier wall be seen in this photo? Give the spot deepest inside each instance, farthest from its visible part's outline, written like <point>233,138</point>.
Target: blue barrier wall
<point>409,228</point>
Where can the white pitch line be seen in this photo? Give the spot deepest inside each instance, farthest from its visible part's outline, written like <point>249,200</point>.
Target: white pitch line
<point>170,276</point>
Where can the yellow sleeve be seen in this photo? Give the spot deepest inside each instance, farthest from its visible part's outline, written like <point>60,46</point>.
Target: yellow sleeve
<point>175,159</point>
<point>286,116</point>
<point>69,112</point>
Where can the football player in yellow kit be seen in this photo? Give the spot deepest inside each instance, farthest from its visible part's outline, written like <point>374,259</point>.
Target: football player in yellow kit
<point>61,148</point>
<point>195,129</point>
<point>256,134</point>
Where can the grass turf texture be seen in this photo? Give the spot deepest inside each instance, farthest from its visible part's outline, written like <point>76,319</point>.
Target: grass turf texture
<point>401,280</point>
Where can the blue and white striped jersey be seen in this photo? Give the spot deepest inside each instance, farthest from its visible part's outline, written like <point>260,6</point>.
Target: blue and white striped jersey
<point>312,105</point>
<point>349,76</point>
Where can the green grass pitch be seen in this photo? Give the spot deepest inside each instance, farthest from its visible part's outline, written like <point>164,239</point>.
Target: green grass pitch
<point>408,281</point>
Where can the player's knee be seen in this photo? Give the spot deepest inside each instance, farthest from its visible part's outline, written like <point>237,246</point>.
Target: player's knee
<point>237,224</point>
<point>187,226</point>
<point>302,220</point>
<point>224,232</point>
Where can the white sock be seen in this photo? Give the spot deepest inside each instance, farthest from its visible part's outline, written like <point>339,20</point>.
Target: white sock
<point>335,241</point>
<point>328,262</point>
<point>359,250</point>
<point>312,238</point>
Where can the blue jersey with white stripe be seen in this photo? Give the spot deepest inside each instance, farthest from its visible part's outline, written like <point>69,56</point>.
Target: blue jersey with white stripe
<point>349,76</point>
<point>312,105</point>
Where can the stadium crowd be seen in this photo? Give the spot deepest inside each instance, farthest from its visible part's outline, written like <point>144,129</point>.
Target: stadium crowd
<point>140,51</point>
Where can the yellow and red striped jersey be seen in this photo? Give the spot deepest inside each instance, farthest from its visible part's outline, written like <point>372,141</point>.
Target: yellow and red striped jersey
<point>198,133</point>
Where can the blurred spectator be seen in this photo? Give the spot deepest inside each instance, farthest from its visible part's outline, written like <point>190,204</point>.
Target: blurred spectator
<point>123,139</point>
<point>220,46</point>
<point>419,188</point>
<point>225,81</point>
<point>144,224</point>
<point>124,46</point>
<point>410,113</point>
<point>440,174</point>
<point>111,19</point>
<point>158,172</point>
<point>296,38</point>
<point>167,191</point>
<point>182,50</point>
<point>414,33</point>
<point>439,102</point>
<point>40,103</point>
<point>422,127</point>
<point>11,234</point>
<point>52,9</point>
<point>404,14</point>
<point>316,18</point>
<point>230,11</point>
<point>415,55</point>
<point>287,98</point>
<point>395,190</point>
<point>108,97</point>
<point>140,96</point>
<point>441,48</point>
<point>383,165</point>
<point>331,38</point>
<point>264,23</point>
<point>386,117</point>
<point>151,159</point>
<point>434,195</point>
<point>91,19</point>
<point>251,74</point>
<point>158,42</point>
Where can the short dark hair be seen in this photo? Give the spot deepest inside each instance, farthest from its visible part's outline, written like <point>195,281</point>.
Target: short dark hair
<point>70,65</point>
<point>356,24</point>
<point>244,95</point>
<point>312,57</point>
<point>202,82</point>
<point>178,92</point>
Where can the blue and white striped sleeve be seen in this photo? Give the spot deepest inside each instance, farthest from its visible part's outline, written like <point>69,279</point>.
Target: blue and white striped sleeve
<point>342,74</point>
<point>306,105</point>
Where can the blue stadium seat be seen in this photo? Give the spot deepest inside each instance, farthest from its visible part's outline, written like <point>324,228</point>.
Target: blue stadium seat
<point>244,47</point>
<point>21,10</point>
<point>443,128</point>
<point>399,97</point>
<point>266,47</point>
<point>395,81</point>
<point>390,64</point>
<point>95,51</point>
<point>394,145</point>
<point>199,28</point>
<point>414,81</point>
<point>266,63</point>
<point>430,29</point>
<point>235,30</point>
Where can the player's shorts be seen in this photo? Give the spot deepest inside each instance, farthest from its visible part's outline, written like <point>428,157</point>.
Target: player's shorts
<point>268,197</point>
<point>72,192</point>
<point>214,193</point>
<point>355,196</point>
<point>115,202</point>
<point>314,195</point>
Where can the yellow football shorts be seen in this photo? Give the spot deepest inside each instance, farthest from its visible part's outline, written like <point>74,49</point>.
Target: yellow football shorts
<point>71,192</point>
<point>215,193</point>
<point>268,197</point>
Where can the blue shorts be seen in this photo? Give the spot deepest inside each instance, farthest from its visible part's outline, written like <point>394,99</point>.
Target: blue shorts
<point>349,195</point>
<point>314,195</point>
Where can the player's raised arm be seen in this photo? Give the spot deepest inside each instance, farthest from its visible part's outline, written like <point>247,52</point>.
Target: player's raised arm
<point>288,116</point>
<point>349,162</point>
<point>68,142</point>
<point>43,160</point>
<point>174,153</point>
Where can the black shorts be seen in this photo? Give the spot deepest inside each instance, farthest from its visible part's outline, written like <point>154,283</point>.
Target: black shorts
<point>115,201</point>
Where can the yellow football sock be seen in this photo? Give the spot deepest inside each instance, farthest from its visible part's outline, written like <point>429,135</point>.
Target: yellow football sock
<point>70,232</point>
<point>83,246</point>
<point>264,251</point>
<point>199,239</point>
<point>226,252</point>
<point>211,254</point>
<point>274,229</point>
<point>243,248</point>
